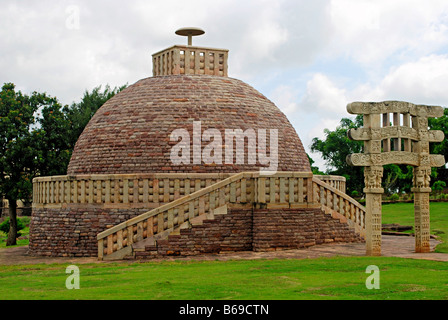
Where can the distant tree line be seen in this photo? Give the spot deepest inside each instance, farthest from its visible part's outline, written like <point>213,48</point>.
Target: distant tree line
<point>396,178</point>
<point>37,137</point>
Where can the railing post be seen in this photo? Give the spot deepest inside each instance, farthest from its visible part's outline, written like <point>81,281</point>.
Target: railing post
<point>100,249</point>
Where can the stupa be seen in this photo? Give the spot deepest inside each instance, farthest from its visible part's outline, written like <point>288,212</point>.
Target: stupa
<point>186,162</point>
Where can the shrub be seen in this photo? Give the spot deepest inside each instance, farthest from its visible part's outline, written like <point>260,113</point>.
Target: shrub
<point>4,226</point>
<point>394,197</point>
<point>438,186</point>
<point>355,194</point>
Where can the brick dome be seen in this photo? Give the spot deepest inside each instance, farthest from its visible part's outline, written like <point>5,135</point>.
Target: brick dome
<point>130,133</point>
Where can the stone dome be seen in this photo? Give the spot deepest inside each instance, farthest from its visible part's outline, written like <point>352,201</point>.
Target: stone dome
<point>131,132</point>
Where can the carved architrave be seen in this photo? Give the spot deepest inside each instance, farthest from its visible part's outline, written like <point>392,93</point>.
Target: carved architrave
<point>394,107</point>
<point>396,157</point>
<point>365,134</point>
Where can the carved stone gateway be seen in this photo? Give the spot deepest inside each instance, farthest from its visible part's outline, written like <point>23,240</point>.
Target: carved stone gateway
<point>395,132</point>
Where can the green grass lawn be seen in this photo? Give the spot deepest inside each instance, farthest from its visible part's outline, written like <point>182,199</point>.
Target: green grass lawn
<point>403,213</point>
<point>323,278</point>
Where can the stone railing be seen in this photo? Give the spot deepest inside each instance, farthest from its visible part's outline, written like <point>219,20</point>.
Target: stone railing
<point>174,198</point>
<point>190,60</point>
<point>337,182</point>
<point>282,190</point>
<point>119,190</point>
<point>340,205</point>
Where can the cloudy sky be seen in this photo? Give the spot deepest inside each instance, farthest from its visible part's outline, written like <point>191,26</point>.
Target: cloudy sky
<point>310,58</point>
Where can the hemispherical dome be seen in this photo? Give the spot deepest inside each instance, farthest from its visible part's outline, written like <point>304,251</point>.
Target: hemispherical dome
<point>131,133</point>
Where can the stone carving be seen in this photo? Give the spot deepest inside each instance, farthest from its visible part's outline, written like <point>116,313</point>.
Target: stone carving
<point>424,160</point>
<point>436,136</point>
<point>436,160</point>
<point>375,146</point>
<point>372,177</point>
<point>421,177</point>
<point>394,107</point>
<point>396,157</point>
<point>375,134</point>
<point>365,134</point>
<point>415,140</point>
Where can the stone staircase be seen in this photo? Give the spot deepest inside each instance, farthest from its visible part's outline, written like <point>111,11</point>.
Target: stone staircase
<point>166,230</point>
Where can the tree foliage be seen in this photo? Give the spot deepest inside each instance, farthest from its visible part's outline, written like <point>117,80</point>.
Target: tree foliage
<point>51,141</point>
<point>37,137</point>
<point>334,150</point>
<point>79,114</point>
<point>440,123</point>
<point>17,150</point>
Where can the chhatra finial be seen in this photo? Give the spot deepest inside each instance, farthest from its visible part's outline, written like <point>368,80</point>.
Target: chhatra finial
<point>190,32</point>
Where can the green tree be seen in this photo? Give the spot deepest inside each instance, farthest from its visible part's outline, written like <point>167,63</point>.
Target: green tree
<point>79,114</point>
<point>334,150</point>
<point>51,140</point>
<point>439,186</point>
<point>37,137</point>
<point>440,123</point>
<point>17,155</point>
<point>397,178</point>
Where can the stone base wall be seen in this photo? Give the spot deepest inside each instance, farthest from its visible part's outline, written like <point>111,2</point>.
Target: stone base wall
<point>284,229</point>
<point>257,230</point>
<point>72,231</point>
<point>328,229</point>
<point>228,232</point>
<point>297,228</point>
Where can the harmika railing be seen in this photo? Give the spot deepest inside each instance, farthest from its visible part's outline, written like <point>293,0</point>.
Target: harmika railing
<point>190,60</point>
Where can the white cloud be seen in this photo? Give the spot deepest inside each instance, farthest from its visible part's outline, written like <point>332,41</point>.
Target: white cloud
<point>323,97</point>
<point>321,106</point>
<point>311,57</point>
<point>285,98</point>
<point>115,40</point>
<point>372,31</point>
<point>423,81</point>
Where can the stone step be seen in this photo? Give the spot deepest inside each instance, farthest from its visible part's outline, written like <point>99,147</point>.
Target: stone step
<point>150,244</point>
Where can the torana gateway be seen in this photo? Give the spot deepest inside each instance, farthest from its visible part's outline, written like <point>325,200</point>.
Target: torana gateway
<point>152,174</point>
